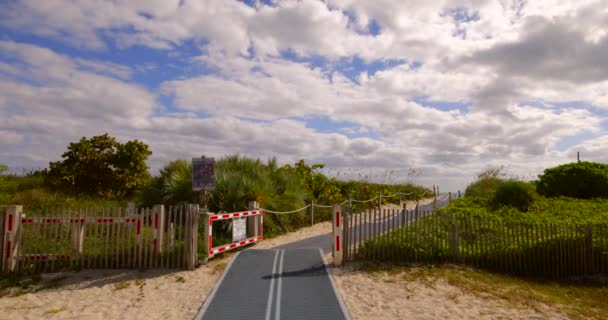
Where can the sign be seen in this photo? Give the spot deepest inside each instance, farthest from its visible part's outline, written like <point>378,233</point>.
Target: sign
<point>239,229</point>
<point>203,177</point>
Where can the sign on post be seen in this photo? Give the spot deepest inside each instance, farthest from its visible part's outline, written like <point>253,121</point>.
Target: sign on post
<point>203,173</point>
<point>239,229</point>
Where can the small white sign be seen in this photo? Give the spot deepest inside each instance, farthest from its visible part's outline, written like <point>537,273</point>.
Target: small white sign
<point>239,229</point>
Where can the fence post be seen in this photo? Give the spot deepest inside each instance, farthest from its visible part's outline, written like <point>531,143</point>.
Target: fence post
<point>254,222</point>
<point>10,243</point>
<point>458,193</point>
<point>207,236</point>
<point>404,213</point>
<point>380,202</point>
<point>435,190</point>
<point>589,249</point>
<point>78,237</point>
<point>158,224</point>
<point>449,197</point>
<point>338,234</point>
<point>312,213</point>
<point>192,237</point>
<point>3,211</point>
<point>417,203</point>
<point>454,241</point>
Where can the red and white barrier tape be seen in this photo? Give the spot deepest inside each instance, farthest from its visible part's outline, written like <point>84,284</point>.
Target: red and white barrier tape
<point>237,244</point>
<point>235,215</point>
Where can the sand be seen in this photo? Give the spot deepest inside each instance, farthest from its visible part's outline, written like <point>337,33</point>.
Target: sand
<point>389,296</point>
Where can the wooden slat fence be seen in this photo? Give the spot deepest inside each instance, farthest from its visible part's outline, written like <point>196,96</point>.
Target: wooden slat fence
<point>83,238</point>
<point>551,250</point>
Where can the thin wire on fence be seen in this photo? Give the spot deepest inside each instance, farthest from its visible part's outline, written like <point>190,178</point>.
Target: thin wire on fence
<point>343,202</point>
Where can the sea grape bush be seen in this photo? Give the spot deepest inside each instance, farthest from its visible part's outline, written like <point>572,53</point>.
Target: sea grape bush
<point>583,180</point>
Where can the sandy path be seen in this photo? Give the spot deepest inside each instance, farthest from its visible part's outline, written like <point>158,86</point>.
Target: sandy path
<point>379,295</point>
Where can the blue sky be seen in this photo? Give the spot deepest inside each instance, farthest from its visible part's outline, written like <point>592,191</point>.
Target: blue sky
<point>442,88</point>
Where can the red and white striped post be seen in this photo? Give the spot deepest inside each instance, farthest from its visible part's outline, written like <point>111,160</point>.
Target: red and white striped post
<point>10,243</point>
<point>338,234</point>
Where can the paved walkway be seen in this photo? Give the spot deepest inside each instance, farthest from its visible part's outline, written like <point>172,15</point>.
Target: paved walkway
<point>275,284</point>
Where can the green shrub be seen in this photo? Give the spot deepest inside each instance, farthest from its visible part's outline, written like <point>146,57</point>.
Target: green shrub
<point>486,184</point>
<point>517,194</point>
<point>583,180</point>
<point>484,188</point>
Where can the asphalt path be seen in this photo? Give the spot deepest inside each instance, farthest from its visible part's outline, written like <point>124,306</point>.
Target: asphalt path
<point>324,242</point>
<point>289,284</point>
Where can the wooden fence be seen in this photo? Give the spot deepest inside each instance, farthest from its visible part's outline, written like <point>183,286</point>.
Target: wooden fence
<point>79,238</point>
<point>412,236</point>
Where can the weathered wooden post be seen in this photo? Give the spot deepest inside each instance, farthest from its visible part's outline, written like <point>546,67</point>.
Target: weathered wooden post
<point>312,213</point>
<point>458,193</point>
<point>2,216</point>
<point>404,213</point>
<point>78,232</point>
<point>158,228</point>
<point>10,243</point>
<point>338,235</point>
<point>450,197</point>
<point>435,190</point>
<point>192,236</point>
<point>589,250</point>
<point>454,251</point>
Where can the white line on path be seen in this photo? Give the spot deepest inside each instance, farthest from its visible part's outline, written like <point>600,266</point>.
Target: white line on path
<point>278,305</point>
<point>274,269</point>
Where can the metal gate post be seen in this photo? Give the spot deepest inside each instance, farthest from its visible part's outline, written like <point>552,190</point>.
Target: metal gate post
<point>338,235</point>
<point>254,222</point>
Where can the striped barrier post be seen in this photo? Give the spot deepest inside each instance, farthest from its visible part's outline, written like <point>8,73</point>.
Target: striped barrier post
<point>10,243</point>
<point>338,235</point>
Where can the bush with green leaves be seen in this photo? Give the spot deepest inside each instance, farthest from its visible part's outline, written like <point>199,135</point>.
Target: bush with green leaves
<point>583,180</point>
<point>516,194</point>
<point>486,184</point>
<point>101,166</point>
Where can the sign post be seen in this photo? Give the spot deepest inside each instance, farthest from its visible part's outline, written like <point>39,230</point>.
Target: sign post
<point>203,181</point>
<point>203,177</point>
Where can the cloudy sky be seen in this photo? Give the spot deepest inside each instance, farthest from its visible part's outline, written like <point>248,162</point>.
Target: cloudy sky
<point>382,87</point>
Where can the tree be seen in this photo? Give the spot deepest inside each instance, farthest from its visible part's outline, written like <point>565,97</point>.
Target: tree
<point>101,166</point>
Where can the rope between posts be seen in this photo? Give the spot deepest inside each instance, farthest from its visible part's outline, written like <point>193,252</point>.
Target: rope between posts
<point>345,201</point>
<point>284,212</point>
<point>359,201</point>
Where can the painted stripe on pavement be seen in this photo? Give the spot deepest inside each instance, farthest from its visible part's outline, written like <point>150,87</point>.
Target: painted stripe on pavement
<point>271,291</point>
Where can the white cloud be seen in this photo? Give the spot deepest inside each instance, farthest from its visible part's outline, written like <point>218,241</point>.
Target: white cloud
<point>501,57</point>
